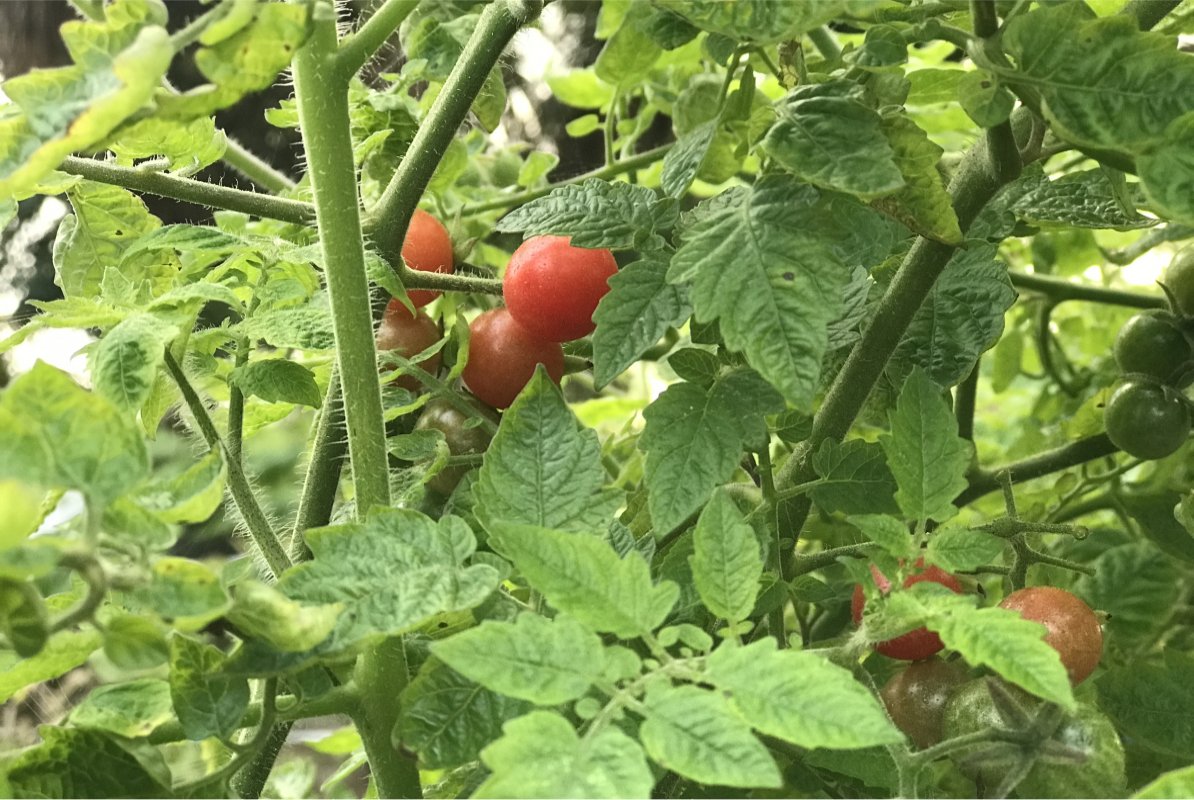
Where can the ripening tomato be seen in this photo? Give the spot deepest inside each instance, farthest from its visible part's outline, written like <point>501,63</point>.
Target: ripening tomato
<point>913,645</point>
<point>1073,629</point>
<point>461,437</point>
<point>916,697</point>
<point>503,356</point>
<point>408,335</point>
<point>426,248</point>
<point>553,288</point>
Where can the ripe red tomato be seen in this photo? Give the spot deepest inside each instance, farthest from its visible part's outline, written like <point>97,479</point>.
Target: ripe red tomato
<point>916,698</point>
<point>1073,629</point>
<point>913,645</point>
<point>408,335</point>
<point>553,288</point>
<point>427,248</point>
<point>502,358</point>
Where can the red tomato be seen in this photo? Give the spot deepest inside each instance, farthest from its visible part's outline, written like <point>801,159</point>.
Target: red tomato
<point>1073,629</point>
<point>913,645</point>
<point>408,335</point>
<point>427,248</point>
<point>553,288</point>
<point>502,358</point>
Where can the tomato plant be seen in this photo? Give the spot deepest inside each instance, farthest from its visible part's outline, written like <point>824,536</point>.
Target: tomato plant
<point>552,288</point>
<point>503,356</point>
<point>814,287</point>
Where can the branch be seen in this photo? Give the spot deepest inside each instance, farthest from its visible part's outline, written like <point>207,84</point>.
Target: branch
<point>192,191</point>
<point>1059,289</point>
<point>357,49</point>
<point>323,470</point>
<point>1069,455</point>
<point>247,163</point>
<point>242,493</point>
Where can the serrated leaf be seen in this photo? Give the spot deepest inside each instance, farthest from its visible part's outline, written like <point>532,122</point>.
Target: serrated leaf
<point>958,549</point>
<point>764,269</point>
<point>759,21</point>
<point>927,457</point>
<point>133,709</point>
<point>207,703</point>
<point>547,662</point>
<point>63,652</point>
<point>629,53</point>
<point>261,611</point>
<point>595,213</point>
<point>75,312</point>
<point>290,328</point>
<point>192,496</point>
<point>638,309</point>
<point>854,478</point>
<point>1152,702</point>
<point>1078,200</point>
<point>694,439</point>
<point>1137,586</point>
<point>183,591</point>
<point>684,160</point>
<point>888,532</point>
<point>126,361</point>
<point>277,380</point>
<point>923,205</point>
<point>583,576</point>
<point>727,562</point>
<point>828,137</point>
<point>540,756</point>
<point>447,719</point>
<point>514,486</point>
<point>695,733</point>
<point>186,145</point>
<point>73,762</point>
<point>200,240</point>
<point>799,697</point>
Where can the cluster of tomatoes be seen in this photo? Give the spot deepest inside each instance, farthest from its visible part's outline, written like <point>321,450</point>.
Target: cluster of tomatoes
<point>935,699</point>
<point>551,290</point>
<point>1148,416</point>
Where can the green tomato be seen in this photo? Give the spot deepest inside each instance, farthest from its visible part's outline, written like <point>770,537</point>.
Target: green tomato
<point>1147,420</point>
<point>1151,343</point>
<point>1179,280</point>
<point>462,438</point>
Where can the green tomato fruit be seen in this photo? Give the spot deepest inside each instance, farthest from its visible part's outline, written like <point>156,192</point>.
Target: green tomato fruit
<point>1151,343</point>
<point>462,438</point>
<point>1178,278</point>
<point>1147,420</point>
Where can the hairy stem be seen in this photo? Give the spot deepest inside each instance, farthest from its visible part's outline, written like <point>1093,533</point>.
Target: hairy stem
<point>357,49</point>
<point>253,167</point>
<point>323,470</point>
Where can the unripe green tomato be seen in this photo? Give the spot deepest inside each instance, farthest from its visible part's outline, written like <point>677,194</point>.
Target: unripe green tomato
<point>1147,420</point>
<point>1178,278</point>
<point>461,437</point>
<point>1152,344</point>
<point>916,698</point>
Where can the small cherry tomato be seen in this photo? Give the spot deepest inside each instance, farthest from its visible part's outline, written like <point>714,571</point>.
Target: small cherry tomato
<point>553,288</point>
<point>1147,420</point>
<point>1151,343</point>
<point>461,437</point>
<point>916,698</point>
<point>408,335</point>
<point>920,643</point>
<point>503,356</point>
<point>1178,278</point>
<point>1073,629</point>
<point>426,248</point>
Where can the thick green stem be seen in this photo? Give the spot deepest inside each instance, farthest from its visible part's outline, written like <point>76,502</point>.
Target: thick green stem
<point>1064,457</point>
<point>499,22</point>
<point>358,48</point>
<point>192,191</point>
<point>826,45</point>
<point>247,163</point>
<point>1059,289</point>
<point>238,483</point>
<point>382,673</point>
<point>250,781</point>
<point>323,113</point>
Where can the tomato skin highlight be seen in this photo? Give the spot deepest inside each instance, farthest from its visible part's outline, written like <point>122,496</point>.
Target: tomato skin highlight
<point>427,248</point>
<point>503,356</point>
<point>916,697</point>
<point>1147,420</point>
<point>442,416</point>
<point>553,288</point>
<point>913,645</point>
<point>1073,629</point>
<point>408,335</point>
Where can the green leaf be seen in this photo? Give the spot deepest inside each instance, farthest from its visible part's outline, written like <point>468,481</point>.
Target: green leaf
<point>1170,529</point>
<point>56,434</point>
<point>184,591</point>
<point>207,703</point>
<point>192,496</point>
<point>1170,786</point>
<point>202,241</point>
<point>595,214</point>
<point>888,532</point>
<point>72,762</point>
<point>927,457</point>
<point>923,205</point>
<point>1166,171</point>
<point>1138,587</point>
<point>261,611</point>
<point>22,512</point>
<point>185,145</point>
<point>961,318</point>
<point>684,161</point>
<point>826,136</point>
<point>392,572</point>
<point>638,309</point>
<point>1083,199</point>
<point>628,55</point>
<point>76,312</point>
<point>764,268</point>
<point>580,88</point>
<point>958,549</point>
<point>547,662</point>
<point>277,380</point>
<point>133,709</point>
<point>71,108</point>
<point>135,642</point>
<point>760,21</point>
<point>694,439</point>
<point>799,697</point>
<point>1152,702</point>
<point>513,485</point>
<point>855,478</point>
<point>63,652</point>
<point>290,328</point>
<point>984,99</point>
<point>447,719</point>
<point>727,562</point>
<point>540,756</point>
<point>583,576</point>
<point>696,734</point>
<point>125,363</point>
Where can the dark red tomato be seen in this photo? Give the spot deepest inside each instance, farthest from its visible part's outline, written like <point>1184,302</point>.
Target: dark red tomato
<point>1073,629</point>
<point>502,358</point>
<point>461,437</point>
<point>408,335</point>
<point>426,248</point>
<point>553,288</point>
<point>913,645</point>
<point>916,698</point>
